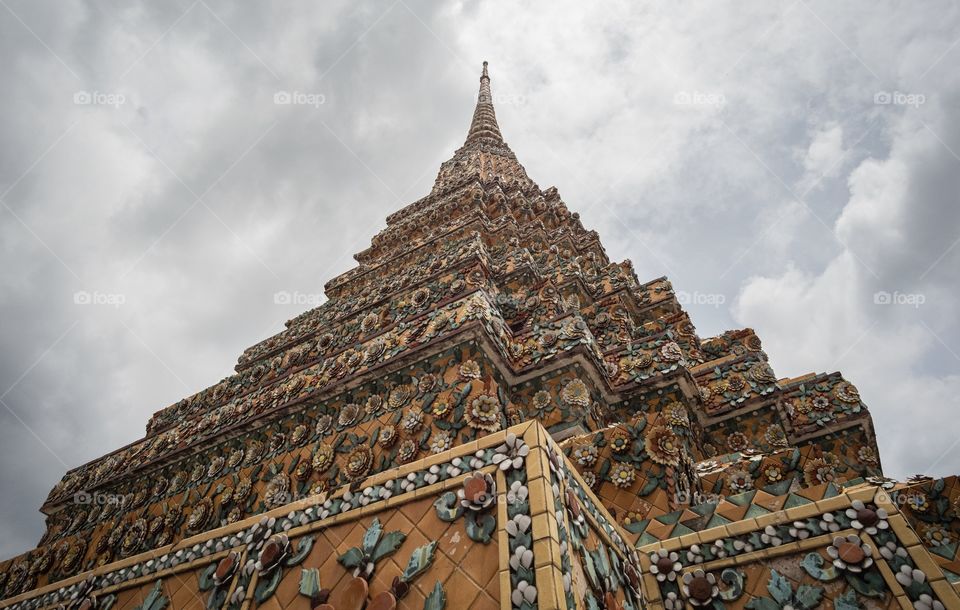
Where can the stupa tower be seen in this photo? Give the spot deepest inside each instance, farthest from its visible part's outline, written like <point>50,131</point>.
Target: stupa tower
<point>489,413</point>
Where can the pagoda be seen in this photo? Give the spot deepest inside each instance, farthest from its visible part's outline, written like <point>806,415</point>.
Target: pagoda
<point>487,413</point>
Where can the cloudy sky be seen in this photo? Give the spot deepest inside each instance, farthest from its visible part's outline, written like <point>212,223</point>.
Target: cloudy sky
<point>791,166</point>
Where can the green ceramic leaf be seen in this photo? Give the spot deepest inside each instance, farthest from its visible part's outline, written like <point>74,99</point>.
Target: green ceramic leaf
<point>649,488</point>
<point>105,603</point>
<point>352,558</point>
<point>847,601</point>
<point>591,569</point>
<point>591,602</point>
<point>437,598</point>
<point>733,578</point>
<point>206,577</point>
<point>216,598</point>
<point>266,587</point>
<point>604,469</point>
<point>813,565</point>
<point>809,596</point>
<point>420,560</point>
<point>303,549</point>
<point>604,561</point>
<point>480,528</point>
<point>779,588</point>
<point>871,584</point>
<point>372,536</point>
<point>155,599</point>
<point>448,507</point>
<point>390,543</point>
<point>309,582</point>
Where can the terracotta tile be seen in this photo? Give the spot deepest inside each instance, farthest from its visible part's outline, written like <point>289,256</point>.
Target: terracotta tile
<point>481,562</point>
<point>485,602</point>
<point>270,604</point>
<point>769,502</point>
<point>331,572</point>
<point>322,547</point>
<point>397,521</point>
<point>659,530</point>
<point>289,586</point>
<point>730,511</point>
<point>333,534</point>
<point>493,586</point>
<point>128,599</point>
<point>417,509</point>
<point>461,591</point>
<point>432,527</point>
<point>354,537</point>
<point>188,597</point>
<point>455,544</point>
<point>173,583</point>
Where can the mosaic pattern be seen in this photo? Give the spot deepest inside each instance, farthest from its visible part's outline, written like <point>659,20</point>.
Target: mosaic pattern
<point>489,413</point>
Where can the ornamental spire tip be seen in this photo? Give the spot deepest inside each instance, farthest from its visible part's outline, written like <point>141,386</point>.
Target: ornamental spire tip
<point>484,125</point>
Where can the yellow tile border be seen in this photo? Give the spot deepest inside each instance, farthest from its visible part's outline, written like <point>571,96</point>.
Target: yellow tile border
<point>506,588</point>
<point>890,578</point>
<point>925,563</point>
<point>822,541</point>
<point>503,539</point>
<point>148,578</point>
<point>903,530</point>
<point>831,504</point>
<point>947,593</point>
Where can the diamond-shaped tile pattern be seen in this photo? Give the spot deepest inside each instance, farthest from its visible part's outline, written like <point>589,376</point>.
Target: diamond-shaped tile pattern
<point>466,569</point>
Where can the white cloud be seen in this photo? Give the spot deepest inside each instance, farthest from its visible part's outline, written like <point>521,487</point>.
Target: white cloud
<point>823,158</point>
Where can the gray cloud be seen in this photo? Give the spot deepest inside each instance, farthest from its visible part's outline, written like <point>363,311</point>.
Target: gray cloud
<point>740,152</point>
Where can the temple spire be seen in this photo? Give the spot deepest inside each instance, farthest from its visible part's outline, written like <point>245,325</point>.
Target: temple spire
<point>484,125</point>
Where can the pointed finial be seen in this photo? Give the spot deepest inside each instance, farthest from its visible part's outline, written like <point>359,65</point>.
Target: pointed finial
<point>484,125</point>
